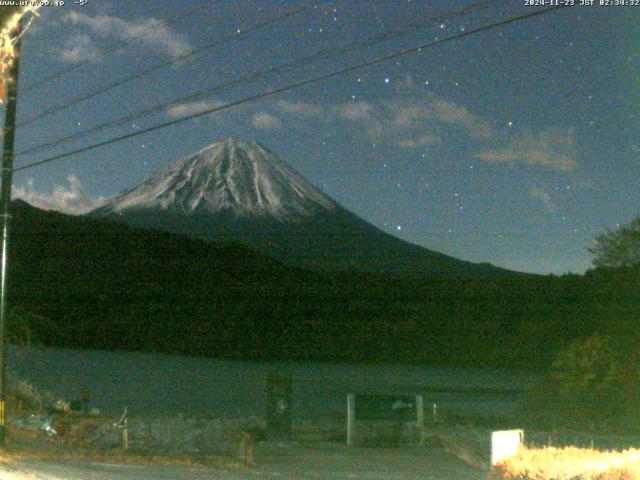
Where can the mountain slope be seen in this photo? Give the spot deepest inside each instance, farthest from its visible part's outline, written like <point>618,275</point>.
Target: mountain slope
<point>238,190</point>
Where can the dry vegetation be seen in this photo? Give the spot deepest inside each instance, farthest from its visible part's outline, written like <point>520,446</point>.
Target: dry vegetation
<point>569,464</point>
<point>74,445</point>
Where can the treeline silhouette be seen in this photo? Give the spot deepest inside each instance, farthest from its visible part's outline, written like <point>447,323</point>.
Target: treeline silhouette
<point>92,283</point>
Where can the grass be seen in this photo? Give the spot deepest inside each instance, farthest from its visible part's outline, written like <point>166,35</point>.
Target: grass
<point>569,463</point>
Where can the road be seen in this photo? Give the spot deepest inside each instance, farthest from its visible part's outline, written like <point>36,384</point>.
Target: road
<point>288,461</point>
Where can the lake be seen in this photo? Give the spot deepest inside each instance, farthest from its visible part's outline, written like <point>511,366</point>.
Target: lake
<point>171,384</point>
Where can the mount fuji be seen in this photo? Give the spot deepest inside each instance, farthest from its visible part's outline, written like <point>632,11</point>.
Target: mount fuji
<point>238,190</point>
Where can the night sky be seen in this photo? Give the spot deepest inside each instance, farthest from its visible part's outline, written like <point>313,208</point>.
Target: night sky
<point>514,146</point>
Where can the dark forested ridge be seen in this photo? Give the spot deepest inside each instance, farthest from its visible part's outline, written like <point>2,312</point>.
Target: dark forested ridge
<point>87,282</point>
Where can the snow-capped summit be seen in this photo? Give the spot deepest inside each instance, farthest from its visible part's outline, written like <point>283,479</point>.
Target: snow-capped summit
<point>237,190</point>
<point>230,176</point>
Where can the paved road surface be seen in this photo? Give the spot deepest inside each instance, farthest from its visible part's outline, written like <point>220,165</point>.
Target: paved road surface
<point>273,461</point>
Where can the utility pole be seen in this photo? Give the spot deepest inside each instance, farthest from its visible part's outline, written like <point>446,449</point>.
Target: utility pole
<point>11,82</point>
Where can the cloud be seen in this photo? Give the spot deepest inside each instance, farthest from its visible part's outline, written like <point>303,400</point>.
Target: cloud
<point>192,108</point>
<point>548,148</point>
<point>407,115</point>
<point>265,121</point>
<point>407,123</point>
<point>73,200</point>
<point>406,118</point>
<point>539,193</point>
<point>150,32</point>
<point>355,110</point>
<point>301,108</point>
<point>415,119</point>
<point>79,49</point>
<point>421,141</point>
<point>451,113</point>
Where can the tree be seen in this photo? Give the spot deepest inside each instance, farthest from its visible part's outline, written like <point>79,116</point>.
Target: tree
<point>589,368</point>
<point>618,248</point>
<point>592,383</point>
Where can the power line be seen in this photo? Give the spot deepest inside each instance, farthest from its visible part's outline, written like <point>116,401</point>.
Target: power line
<point>256,76</point>
<point>443,232</point>
<point>145,30</point>
<point>159,66</point>
<point>292,86</point>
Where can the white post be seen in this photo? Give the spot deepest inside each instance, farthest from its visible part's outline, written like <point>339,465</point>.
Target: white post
<point>420,418</point>
<point>419,411</point>
<point>125,435</point>
<point>351,417</point>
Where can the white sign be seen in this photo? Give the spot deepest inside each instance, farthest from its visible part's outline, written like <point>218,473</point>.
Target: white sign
<point>505,444</point>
